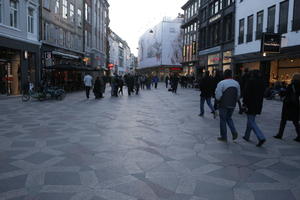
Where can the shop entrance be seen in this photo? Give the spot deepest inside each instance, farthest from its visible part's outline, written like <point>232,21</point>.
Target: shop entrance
<point>10,72</point>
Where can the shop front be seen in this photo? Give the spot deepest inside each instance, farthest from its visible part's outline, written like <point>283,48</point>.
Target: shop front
<point>63,68</point>
<point>18,66</point>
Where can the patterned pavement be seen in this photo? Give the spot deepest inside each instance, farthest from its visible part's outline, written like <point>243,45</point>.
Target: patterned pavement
<point>147,147</point>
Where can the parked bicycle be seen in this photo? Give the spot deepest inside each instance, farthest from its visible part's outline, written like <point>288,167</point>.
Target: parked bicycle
<point>47,93</point>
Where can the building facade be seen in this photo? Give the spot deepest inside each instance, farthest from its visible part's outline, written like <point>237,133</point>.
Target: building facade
<point>216,34</point>
<point>254,20</point>
<point>119,54</point>
<point>190,28</point>
<point>160,48</point>
<point>96,23</point>
<point>19,45</point>
<point>62,42</point>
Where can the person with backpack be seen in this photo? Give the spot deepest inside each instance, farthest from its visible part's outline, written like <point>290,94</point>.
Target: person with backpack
<point>253,102</point>
<point>290,108</point>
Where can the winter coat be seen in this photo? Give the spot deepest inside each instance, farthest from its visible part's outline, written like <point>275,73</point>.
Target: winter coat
<point>207,87</point>
<point>253,96</point>
<point>290,111</point>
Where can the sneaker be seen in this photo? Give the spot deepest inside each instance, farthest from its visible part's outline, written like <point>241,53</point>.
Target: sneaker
<point>247,139</point>
<point>297,139</point>
<point>260,143</point>
<point>277,137</point>
<point>222,139</point>
<point>234,136</point>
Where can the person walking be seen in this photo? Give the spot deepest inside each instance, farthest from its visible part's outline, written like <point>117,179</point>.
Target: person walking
<point>167,81</point>
<point>155,80</point>
<point>88,84</point>
<point>207,90</point>
<point>227,93</point>
<point>253,98</point>
<point>290,108</point>
<point>97,88</point>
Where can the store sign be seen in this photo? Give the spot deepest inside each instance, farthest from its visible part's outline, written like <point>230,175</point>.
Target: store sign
<point>270,43</point>
<point>214,18</point>
<point>111,66</point>
<point>176,68</point>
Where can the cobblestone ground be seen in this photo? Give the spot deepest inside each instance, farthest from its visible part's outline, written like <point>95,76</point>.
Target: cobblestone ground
<point>147,147</point>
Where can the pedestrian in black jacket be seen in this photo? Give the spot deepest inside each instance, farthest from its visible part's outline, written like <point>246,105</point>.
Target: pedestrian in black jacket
<point>207,92</point>
<point>290,108</point>
<point>253,102</point>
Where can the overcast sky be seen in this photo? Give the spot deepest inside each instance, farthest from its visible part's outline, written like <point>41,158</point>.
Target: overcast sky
<point>131,18</point>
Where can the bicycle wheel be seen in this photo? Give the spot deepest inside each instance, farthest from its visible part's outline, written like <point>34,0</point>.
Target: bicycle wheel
<point>25,97</point>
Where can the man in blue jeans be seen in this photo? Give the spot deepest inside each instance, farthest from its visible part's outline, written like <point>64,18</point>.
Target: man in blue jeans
<point>227,93</point>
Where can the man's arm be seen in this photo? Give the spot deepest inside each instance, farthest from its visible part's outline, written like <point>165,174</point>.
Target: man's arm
<point>219,91</point>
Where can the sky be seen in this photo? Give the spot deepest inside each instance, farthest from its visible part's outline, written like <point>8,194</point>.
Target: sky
<point>130,19</point>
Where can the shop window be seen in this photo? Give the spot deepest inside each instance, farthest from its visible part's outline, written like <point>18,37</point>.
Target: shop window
<point>296,17</point>
<point>241,31</point>
<point>259,24</point>
<point>47,4</point>
<point>14,13</point>
<point>283,17</point>
<point>271,19</point>
<point>250,29</point>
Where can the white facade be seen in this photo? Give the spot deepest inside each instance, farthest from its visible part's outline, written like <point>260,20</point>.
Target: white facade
<point>119,54</point>
<point>161,45</point>
<point>252,7</point>
<point>23,23</point>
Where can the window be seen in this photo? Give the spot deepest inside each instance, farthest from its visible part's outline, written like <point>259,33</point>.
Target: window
<point>65,9</point>
<point>47,4</point>
<point>228,28</point>
<point>79,15</point>
<point>216,9</point>
<point>283,17</point>
<point>87,13</point>
<point>259,24</point>
<point>72,12</point>
<point>241,30</point>
<point>296,17</point>
<point>56,8</point>
<point>46,27</point>
<point>1,6</point>
<point>30,20</point>
<point>271,19</point>
<point>14,13</point>
<point>250,29</point>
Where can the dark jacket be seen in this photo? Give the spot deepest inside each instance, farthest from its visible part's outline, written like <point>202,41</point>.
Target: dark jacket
<point>207,87</point>
<point>290,111</point>
<point>253,96</point>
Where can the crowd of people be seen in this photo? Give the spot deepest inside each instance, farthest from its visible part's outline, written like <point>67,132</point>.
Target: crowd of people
<point>250,88</point>
<point>247,91</point>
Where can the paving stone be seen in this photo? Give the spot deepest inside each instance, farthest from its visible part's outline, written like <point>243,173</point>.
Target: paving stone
<point>12,183</point>
<point>62,178</point>
<point>274,195</point>
<point>38,158</point>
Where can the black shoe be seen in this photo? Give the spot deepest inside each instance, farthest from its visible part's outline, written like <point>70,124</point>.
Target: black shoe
<point>277,137</point>
<point>248,140</point>
<point>234,136</point>
<point>222,139</point>
<point>260,143</point>
<point>241,112</point>
<point>201,115</point>
<point>215,115</point>
<point>297,139</point>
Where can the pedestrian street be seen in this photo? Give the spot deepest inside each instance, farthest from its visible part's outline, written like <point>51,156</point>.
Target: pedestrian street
<point>151,146</point>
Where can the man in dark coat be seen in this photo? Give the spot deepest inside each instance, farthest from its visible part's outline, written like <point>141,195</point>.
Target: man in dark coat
<point>207,91</point>
<point>253,101</point>
<point>167,81</point>
<point>290,108</point>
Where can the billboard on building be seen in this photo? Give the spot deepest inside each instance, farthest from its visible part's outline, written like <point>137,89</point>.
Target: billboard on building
<point>161,45</point>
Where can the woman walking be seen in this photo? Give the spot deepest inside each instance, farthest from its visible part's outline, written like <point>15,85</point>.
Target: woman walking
<point>253,102</point>
<point>290,108</point>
